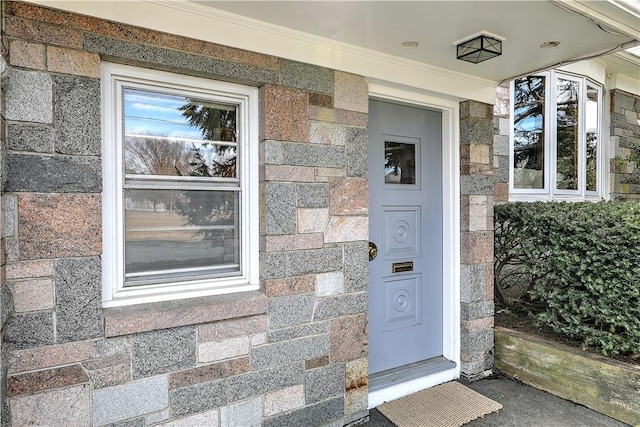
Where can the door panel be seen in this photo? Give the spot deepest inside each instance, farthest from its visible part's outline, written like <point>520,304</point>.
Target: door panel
<point>405,208</point>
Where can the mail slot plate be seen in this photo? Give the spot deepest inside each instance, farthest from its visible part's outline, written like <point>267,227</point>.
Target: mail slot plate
<point>399,267</point>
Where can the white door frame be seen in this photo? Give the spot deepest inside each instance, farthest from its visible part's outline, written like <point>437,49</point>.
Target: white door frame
<point>450,109</point>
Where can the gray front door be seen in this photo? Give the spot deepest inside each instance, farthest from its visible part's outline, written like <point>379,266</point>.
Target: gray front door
<point>405,214</point>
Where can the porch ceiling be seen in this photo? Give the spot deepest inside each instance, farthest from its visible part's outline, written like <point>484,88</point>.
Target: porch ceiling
<point>582,28</point>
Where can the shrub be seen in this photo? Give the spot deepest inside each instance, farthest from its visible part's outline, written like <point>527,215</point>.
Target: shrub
<point>579,267</point>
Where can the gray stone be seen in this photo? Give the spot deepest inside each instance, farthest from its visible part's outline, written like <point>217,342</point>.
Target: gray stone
<point>77,115</point>
<point>53,174</point>
<point>280,353</point>
<point>480,341</point>
<point>273,265</point>
<point>264,381</point>
<point>476,310</point>
<point>501,145</point>
<point>197,398</point>
<point>300,154</point>
<point>136,422</point>
<point>157,417</point>
<point>183,62</point>
<point>291,310</point>
<point>280,208</point>
<point>312,195</point>
<point>357,146</point>
<point>473,282</point>
<point>622,101</point>
<point>162,351</point>
<point>271,152</point>
<point>34,138</point>
<point>341,305</point>
<point>618,120</point>
<point>9,214</point>
<point>356,266</point>
<point>29,330</point>
<point>324,383</point>
<point>28,96</point>
<point>312,261</point>
<point>477,184</point>
<point>68,406</point>
<point>476,131</point>
<point>501,172</point>
<point>6,305</point>
<point>306,76</point>
<point>130,400</point>
<point>474,109</point>
<point>298,331</point>
<point>78,284</point>
<point>313,415</point>
<point>242,414</point>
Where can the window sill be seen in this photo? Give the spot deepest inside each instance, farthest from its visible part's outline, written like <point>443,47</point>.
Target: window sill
<point>134,319</point>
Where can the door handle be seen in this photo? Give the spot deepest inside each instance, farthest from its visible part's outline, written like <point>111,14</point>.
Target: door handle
<point>373,251</point>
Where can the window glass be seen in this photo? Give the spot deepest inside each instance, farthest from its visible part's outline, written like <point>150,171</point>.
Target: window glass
<point>529,138</point>
<point>567,100</point>
<point>591,128</point>
<point>399,163</point>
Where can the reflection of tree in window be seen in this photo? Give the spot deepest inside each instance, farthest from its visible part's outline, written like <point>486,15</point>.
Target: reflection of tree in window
<point>400,163</point>
<point>567,134</point>
<point>529,104</point>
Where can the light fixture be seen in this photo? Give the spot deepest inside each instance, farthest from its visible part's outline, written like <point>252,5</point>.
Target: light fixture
<point>479,47</point>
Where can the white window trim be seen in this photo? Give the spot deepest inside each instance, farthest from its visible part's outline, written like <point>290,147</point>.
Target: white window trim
<point>550,192</point>
<point>113,76</point>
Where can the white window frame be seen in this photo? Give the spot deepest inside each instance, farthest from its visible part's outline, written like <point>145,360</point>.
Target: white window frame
<point>550,192</point>
<point>114,77</point>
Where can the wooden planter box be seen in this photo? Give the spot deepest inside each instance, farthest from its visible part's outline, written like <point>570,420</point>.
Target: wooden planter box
<point>607,386</point>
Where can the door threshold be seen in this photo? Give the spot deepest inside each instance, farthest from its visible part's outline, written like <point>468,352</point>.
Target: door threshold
<point>398,382</point>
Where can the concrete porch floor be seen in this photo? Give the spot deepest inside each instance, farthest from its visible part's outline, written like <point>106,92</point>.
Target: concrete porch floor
<point>523,406</point>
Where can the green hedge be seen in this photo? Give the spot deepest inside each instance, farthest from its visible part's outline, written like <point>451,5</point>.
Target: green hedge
<point>579,267</point>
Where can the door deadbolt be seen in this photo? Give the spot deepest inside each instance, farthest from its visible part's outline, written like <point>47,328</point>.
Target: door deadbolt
<point>373,251</point>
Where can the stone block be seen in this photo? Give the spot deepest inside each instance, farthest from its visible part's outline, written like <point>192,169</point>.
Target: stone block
<point>32,295</point>
<point>229,348</point>
<point>318,414</point>
<point>283,114</point>
<point>162,351</point>
<point>324,383</point>
<point>312,195</point>
<point>356,386</point>
<point>351,92</point>
<point>479,219</point>
<point>349,338</point>
<point>273,265</point>
<point>306,76</point>
<point>177,61</point>
<point>291,310</point>
<point>130,400</point>
<point>265,381</point>
<point>33,138</point>
<point>501,145</point>
<point>208,419</point>
<point>9,215</point>
<point>49,356</point>
<point>208,373</point>
<point>300,263</point>
<point>283,400</point>
<point>478,341</point>
<point>242,414</point>
<point>280,208</point>
<point>473,282</point>
<point>29,330</point>
<point>289,286</point>
<point>477,310</point>
<point>289,173</point>
<point>241,326</point>
<point>476,247</point>
<point>501,192</point>
<point>34,382</point>
<point>281,353</point>
<point>55,174</point>
<point>135,422</point>
<point>298,331</point>
<point>347,229</point>
<point>43,32</point>
<point>356,266</point>
<point>300,154</point>
<point>477,325</point>
<point>258,339</point>
<point>78,284</point>
<point>77,115</point>
<point>501,171</point>
<point>109,371</point>
<point>292,242</point>
<point>75,62</point>
<point>330,284</point>
<point>327,133</point>
<point>197,398</point>
<point>357,152</point>
<point>475,109</point>
<point>349,196</point>
<point>312,220</point>
<point>27,55</point>
<point>476,131</point>
<point>316,362</point>
<point>28,96</point>
<point>64,407</point>
<point>320,99</point>
<point>341,305</point>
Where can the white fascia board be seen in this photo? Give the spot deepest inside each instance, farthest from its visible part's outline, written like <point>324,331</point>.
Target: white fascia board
<point>200,22</point>
<point>625,83</point>
<point>616,15</point>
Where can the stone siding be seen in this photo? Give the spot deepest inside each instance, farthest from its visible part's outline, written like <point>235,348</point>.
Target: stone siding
<point>294,353</point>
<point>624,174</point>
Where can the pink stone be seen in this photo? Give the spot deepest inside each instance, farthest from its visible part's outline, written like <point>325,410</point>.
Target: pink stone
<point>29,269</point>
<point>27,55</point>
<point>243,326</point>
<point>349,338</point>
<point>45,380</point>
<point>75,62</point>
<point>289,173</point>
<point>289,286</point>
<point>283,114</point>
<point>351,92</point>
<point>32,295</point>
<point>53,355</point>
<point>349,196</point>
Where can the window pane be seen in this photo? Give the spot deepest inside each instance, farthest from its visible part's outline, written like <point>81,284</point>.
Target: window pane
<point>399,163</point>
<point>591,122</point>
<point>190,231</point>
<point>567,134</point>
<point>173,135</point>
<point>528,123</point>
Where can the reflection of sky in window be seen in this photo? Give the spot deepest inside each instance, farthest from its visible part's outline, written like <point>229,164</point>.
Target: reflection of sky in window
<point>157,114</point>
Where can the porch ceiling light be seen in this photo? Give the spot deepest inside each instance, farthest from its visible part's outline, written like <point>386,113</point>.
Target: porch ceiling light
<point>479,47</point>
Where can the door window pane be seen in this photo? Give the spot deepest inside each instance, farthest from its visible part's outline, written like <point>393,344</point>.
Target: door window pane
<point>529,138</point>
<point>591,124</point>
<point>567,134</point>
<point>399,163</point>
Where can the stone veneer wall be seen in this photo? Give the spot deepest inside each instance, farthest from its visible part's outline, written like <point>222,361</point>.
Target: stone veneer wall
<point>294,353</point>
<point>625,133</point>
<point>481,184</point>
